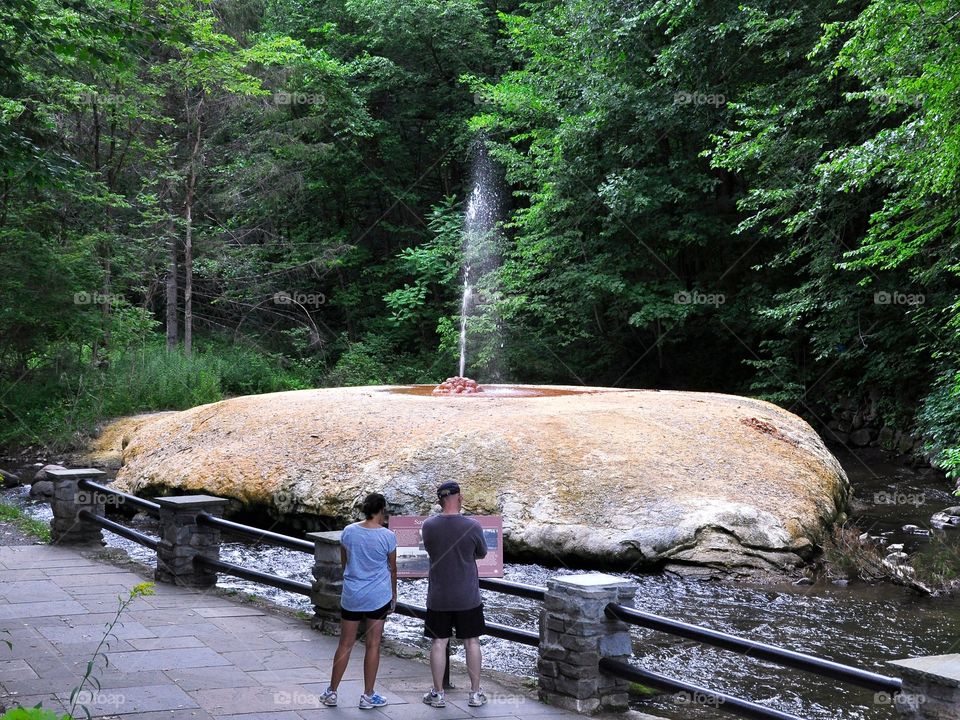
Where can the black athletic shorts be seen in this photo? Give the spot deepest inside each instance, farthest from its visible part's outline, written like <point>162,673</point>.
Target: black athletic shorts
<point>440,623</point>
<point>357,615</point>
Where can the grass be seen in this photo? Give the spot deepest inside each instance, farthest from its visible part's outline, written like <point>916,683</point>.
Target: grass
<point>938,566</point>
<point>56,406</point>
<point>16,517</point>
<point>640,690</point>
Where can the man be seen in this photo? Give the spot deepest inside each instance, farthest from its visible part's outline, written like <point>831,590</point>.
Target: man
<point>454,543</point>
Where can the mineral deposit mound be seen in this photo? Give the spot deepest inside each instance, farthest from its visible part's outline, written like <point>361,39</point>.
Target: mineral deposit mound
<point>457,385</point>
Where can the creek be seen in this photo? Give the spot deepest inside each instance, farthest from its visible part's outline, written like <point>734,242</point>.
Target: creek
<point>858,624</point>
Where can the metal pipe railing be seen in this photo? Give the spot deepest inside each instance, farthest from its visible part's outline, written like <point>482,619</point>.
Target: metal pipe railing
<point>780,656</point>
<point>118,529</point>
<point>151,508</point>
<point>291,543</point>
<point>508,587</point>
<point>280,583</point>
<point>697,694</point>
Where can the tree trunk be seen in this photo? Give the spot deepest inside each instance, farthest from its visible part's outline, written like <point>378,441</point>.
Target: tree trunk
<point>106,306</point>
<point>188,241</point>
<point>188,281</point>
<point>173,331</point>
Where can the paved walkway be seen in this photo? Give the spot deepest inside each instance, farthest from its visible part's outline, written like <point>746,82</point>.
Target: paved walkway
<point>186,655</point>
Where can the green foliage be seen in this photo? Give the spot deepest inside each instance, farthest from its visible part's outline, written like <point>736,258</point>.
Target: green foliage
<point>37,528</point>
<point>362,363</point>
<point>34,713</point>
<point>939,422</point>
<point>701,195</point>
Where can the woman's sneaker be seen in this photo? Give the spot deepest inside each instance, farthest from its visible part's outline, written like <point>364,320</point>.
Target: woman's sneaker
<point>477,698</point>
<point>434,699</point>
<point>329,698</point>
<point>367,702</point>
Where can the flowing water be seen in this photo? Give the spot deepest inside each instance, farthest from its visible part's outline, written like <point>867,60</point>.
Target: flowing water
<point>480,254</point>
<point>861,625</point>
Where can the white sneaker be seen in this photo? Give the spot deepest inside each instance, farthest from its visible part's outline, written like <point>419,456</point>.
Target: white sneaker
<point>477,698</point>
<point>373,700</point>
<point>329,698</point>
<point>434,699</point>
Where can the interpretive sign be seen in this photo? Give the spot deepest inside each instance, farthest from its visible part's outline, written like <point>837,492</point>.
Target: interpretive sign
<point>412,560</point>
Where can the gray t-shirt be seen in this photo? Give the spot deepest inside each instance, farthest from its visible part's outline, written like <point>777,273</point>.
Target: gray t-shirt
<point>454,543</point>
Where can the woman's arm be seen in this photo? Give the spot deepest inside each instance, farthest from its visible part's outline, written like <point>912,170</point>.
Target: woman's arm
<point>392,562</point>
<point>343,557</point>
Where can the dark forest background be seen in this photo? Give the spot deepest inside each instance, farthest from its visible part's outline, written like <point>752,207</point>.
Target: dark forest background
<point>204,199</point>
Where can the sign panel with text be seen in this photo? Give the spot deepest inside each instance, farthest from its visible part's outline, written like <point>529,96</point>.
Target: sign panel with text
<point>412,559</point>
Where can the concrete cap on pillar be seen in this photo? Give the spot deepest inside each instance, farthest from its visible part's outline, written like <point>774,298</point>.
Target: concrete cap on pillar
<point>589,580</point>
<point>943,669</point>
<point>78,474</point>
<point>189,502</point>
<point>330,537</point>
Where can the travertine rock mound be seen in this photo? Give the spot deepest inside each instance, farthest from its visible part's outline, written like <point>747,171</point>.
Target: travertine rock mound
<point>625,478</point>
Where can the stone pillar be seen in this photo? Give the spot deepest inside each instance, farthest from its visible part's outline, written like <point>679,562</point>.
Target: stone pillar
<point>67,528</point>
<point>327,579</point>
<point>181,538</point>
<point>931,688</point>
<point>574,634</point>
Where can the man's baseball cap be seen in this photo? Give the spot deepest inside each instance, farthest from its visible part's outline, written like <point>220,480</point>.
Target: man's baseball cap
<point>448,488</point>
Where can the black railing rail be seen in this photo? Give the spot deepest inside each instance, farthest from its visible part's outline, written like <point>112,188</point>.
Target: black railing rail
<point>293,586</point>
<point>508,587</point>
<point>122,530</point>
<point>780,656</point>
<point>695,693</point>
<point>524,637</point>
<point>271,538</point>
<point>151,508</point>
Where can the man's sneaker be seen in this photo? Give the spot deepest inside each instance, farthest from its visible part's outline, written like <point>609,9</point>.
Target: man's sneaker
<point>477,698</point>
<point>329,698</point>
<point>374,700</point>
<point>434,699</point>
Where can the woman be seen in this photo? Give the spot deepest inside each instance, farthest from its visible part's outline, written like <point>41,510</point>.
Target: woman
<point>368,553</point>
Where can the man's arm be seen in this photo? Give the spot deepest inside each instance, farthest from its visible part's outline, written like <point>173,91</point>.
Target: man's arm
<point>481,548</point>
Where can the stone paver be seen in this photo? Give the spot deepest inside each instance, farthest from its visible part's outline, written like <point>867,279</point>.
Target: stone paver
<point>184,654</point>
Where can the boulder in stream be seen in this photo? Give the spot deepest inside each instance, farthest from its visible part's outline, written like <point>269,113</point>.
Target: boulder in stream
<point>597,476</point>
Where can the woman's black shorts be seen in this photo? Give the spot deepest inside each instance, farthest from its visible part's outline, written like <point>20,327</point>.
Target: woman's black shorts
<point>357,615</point>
